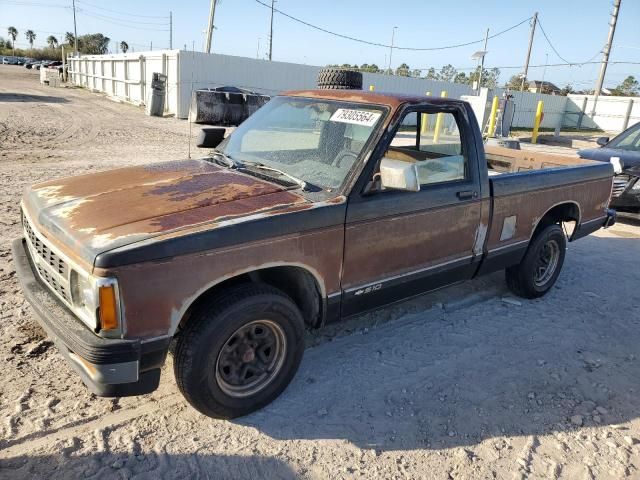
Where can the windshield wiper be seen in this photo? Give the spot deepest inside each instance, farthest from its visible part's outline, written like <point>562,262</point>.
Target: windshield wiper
<point>226,159</point>
<point>301,183</point>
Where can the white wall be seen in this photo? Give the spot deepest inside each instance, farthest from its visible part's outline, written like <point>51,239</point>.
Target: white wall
<point>128,77</point>
<point>613,114</point>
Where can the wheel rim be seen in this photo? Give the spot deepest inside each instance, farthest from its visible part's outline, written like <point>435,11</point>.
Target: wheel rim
<point>251,358</point>
<point>547,263</point>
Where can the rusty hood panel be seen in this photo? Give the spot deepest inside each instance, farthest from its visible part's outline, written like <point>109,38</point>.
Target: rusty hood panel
<point>91,214</point>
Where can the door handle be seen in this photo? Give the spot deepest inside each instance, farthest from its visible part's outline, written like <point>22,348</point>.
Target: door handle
<point>467,194</point>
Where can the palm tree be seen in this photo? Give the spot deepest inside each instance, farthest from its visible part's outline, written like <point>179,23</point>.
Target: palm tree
<point>52,41</point>
<point>13,33</point>
<point>124,46</point>
<point>69,38</point>
<point>31,36</point>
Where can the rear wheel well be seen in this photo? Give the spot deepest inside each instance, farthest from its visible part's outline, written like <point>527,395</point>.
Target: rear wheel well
<point>296,282</point>
<point>565,212</point>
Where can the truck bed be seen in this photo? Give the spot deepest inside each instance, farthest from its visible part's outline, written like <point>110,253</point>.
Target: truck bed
<point>525,185</point>
<point>506,160</point>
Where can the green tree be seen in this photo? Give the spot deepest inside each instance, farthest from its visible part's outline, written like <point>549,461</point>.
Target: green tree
<point>489,77</point>
<point>93,44</point>
<point>69,39</point>
<point>403,70</point>
<point>461,77</point>
<point>514,83</point>
<point>124,46</point>
<point>447,73</point>
<point>628,88</point>
<point>13,33</point>
<point>431,74</point>
<point>31,36</point>
<point>52,41</point>
<point>566,90</point>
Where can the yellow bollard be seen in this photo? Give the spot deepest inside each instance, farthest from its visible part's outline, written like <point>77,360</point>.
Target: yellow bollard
<point>425,119</point>
<point>538,121</point>
<point>372,88</point>
<point>492,117</point>
<point>439,117</point>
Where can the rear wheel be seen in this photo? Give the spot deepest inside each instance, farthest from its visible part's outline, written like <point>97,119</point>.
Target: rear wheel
<point>540,267</point>
<point>239,351</point>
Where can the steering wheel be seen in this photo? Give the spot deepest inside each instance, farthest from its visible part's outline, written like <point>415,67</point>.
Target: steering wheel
<point>341,156</point>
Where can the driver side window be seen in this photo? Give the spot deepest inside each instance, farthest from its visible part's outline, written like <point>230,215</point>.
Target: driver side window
<point>432,141</point>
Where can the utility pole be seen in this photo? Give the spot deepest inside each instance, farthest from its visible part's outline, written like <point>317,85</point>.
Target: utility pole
<point>544,72</point>
<point>258,49</point>
<point>170,30</point>
<point>526,63</point>
<point>605,54</point>
<point>393,35</point>
<point>484,53</point>
<point>75,31</point>
<point>271,31</point>
<point>151,46</point>
<point>212,14</point>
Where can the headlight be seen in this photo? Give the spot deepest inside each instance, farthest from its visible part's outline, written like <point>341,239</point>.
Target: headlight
<point>96,299</point>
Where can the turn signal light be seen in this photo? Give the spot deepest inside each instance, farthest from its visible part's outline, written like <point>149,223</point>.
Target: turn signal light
<point>108,308</point>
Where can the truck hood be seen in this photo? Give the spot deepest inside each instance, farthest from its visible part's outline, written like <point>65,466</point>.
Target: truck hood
<point>91,214</point>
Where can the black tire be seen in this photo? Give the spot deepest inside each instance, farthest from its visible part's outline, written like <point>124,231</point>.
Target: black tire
<point>214,325</point>
<point>531,278</point>
<point>339,79</point>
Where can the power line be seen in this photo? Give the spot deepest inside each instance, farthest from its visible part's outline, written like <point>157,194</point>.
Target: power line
<point>375,44</point>
<point>37,31</point>
<point>107,17</point>
<point>511,67</point>
<point>33,4</point>
<point>120,13</point>
<point>84,12</point>
<point>551,44</point>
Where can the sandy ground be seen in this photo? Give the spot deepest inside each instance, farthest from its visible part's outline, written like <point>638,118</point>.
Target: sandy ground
<point>467,382</point>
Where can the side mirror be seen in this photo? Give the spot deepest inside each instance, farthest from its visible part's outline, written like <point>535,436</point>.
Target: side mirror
<point>210,137</point>
<point>399,175</point>
<point>602,141</point>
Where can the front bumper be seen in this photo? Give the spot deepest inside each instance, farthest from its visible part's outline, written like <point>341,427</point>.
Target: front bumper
<point>627,201</point>
<point>109,367</point>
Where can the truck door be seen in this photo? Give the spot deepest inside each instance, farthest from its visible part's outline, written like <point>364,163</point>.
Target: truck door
<point>399,243</point>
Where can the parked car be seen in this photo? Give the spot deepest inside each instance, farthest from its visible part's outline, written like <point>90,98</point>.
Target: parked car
<point>9,61</point>
<point>322,205</point>
<point>626,184</point>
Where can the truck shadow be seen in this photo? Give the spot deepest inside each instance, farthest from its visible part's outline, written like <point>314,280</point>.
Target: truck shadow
<point>150,466</point>
<point>438,379</point>
<point>25,97</point>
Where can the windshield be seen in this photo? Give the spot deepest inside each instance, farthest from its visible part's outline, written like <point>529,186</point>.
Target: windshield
<point>629,140</point>
<point>317,141</point>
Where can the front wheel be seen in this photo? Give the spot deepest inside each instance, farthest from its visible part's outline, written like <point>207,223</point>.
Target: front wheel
<point>239,351</point>
<point>540,267</point>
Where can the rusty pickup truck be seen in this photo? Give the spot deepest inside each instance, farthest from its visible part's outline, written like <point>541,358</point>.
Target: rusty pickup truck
<point>322,205</point>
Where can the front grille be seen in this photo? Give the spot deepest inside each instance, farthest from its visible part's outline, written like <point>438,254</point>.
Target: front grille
<point>53,283</point>
<point>52,269</point>
<point>620,183</point>
<point>45,252</point>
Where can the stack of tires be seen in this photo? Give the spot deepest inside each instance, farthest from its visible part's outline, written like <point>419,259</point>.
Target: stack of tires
<point>339,79</point>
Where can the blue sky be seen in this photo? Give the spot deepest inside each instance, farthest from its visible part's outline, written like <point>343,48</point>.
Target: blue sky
<point>577,28</point>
